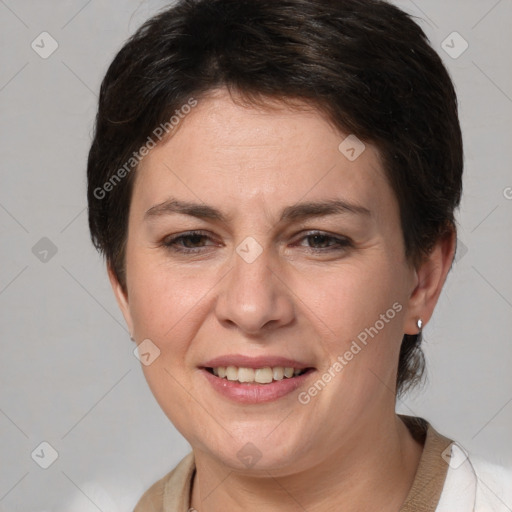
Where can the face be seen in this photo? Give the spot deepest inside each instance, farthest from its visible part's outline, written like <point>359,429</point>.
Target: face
<point>255,243</point>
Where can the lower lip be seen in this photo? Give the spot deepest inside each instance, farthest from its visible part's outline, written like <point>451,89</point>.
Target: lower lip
<point>254,393</point>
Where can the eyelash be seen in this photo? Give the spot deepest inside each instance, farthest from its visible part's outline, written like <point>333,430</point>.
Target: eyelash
<point>340,243</point>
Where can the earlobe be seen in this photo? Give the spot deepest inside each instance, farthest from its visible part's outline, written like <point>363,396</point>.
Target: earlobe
<point>430,278</point>
<point>121,298</point>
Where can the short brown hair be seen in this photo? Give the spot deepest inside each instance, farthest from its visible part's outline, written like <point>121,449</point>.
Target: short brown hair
<point>364,63</point>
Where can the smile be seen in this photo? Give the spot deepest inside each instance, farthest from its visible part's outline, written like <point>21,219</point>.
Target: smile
<point>264,375</point>
<point>246,385</point>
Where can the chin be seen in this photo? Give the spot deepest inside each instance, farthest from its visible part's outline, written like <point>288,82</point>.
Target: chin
<point>259,451</point>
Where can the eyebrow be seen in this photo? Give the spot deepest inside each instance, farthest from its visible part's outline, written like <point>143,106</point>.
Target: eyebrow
<point>295,212</point>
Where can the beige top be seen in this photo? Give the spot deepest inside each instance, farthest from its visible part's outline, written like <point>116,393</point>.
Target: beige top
<point>172,492</point>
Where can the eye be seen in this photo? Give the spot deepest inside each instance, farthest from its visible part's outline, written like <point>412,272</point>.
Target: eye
<point>197,241</point>
<point>192,241</point>
<point>322,242</point>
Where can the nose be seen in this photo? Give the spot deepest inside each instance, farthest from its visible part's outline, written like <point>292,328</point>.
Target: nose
<point>254,296</point>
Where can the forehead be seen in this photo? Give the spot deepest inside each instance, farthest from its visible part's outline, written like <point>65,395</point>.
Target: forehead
<point>226,152</point>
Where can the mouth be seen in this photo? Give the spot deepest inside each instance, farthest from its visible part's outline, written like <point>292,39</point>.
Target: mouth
<point>265,375</point>
<point>247,385</point>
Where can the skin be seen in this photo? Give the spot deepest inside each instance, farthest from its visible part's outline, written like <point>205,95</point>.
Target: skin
<point>346,445</point>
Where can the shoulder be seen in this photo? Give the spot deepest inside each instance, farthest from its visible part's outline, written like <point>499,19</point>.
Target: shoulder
<point>475,484</point>
<point>173,487</point>
<point>494,485</point>
<point>153,499</point>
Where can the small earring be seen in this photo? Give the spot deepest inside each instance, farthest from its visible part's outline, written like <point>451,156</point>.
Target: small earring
<point>419,323</point>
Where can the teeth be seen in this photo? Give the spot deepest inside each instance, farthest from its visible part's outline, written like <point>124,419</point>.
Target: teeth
<point>263,375</point>
<point>245,375</point>
<point>232,373</point>
<point>259,375</point>
<point>288,372</point>
<point>278,373</point>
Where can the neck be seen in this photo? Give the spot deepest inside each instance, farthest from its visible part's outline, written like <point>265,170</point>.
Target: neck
<point>372,472</point>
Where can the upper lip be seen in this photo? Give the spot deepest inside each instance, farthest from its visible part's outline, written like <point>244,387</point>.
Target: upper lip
<point>242,361</point>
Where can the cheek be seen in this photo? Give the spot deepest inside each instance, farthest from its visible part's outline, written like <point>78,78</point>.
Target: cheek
<point>168,307</point>
<point>358,312</point>
<point>354,298</point>
<point>363,312</point>
<point>162,299</point>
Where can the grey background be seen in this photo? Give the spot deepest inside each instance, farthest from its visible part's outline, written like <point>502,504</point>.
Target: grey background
<point>67,372</point>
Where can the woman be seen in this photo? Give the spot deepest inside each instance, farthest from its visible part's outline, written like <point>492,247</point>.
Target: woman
<point>273,185</point>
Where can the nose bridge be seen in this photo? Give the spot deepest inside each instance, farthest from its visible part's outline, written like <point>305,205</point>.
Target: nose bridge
<point>253,267</point>
<point>252,296</point>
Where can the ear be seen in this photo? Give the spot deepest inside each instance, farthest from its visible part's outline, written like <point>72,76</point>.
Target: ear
<point>430,278</point>
<point>121,297</point>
